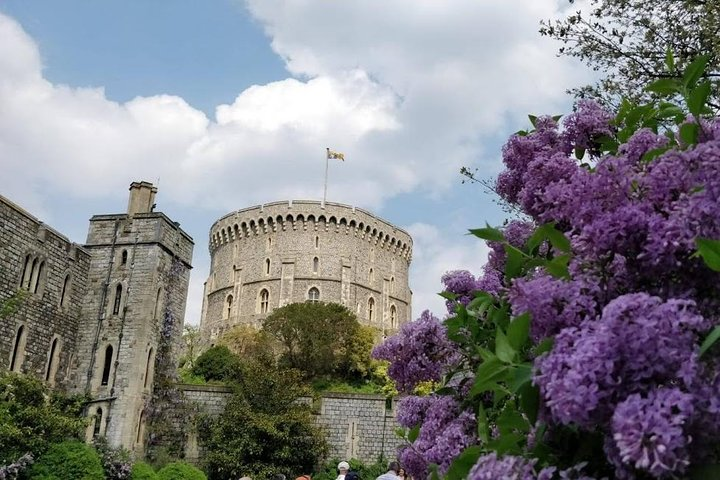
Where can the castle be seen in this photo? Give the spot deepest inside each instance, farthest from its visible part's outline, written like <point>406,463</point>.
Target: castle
<point>271,255</point>
<point>89,318</point>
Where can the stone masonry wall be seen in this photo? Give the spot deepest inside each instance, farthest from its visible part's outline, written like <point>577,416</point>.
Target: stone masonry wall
<point>357,425</point>
<point>288,248</point>
<point>50,312</point>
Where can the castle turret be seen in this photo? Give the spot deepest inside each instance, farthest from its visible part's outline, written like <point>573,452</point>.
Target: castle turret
<point>137,281</point>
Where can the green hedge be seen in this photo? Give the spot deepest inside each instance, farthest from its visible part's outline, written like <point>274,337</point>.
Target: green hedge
<point>180,471</point>
<point>143,471</point>
<point>68,460</point>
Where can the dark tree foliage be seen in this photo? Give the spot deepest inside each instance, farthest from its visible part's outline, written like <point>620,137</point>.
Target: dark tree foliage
<point>318,339</point>
<point>264,429</point>
<point>216,364</point>
<point>32,418</point>
<point>628,41</point>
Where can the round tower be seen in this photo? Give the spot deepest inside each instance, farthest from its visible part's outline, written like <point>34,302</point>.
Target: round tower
<point>268,256</point>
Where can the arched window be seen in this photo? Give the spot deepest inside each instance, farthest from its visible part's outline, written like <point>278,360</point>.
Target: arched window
<point>228,306</point>
<point>313,295</point>
<point>371,276</point>
<point>118,299</point>
<point>393,317</point>
<point>38,277</point>
<point>27,272</point>
<point>31,275</point>
<point>52,361</point>
<point>156,311</point>
<point>18,352</point>
<point>107,365</point>
<point>267,266</point>
<point>140,428</point>
<point>149,368</point>
<point>316,264</point>
<point>264,300</point>
<point>392,285</point>
<point>269,243</point>
<point>65,293</point>
<point>371,309</point>
<point>98,422</point>
<point>317,241</point>
<point>123,257</point>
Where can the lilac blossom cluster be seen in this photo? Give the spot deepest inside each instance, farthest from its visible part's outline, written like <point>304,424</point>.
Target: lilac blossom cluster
<point>15,469</point>
<point>509,467</point>
<point>445,431</point>
<point>420,352</point>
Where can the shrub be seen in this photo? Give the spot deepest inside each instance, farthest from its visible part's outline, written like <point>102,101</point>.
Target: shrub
<point>66,460</point>
<point>143,471</point>
<point>116,461</point>
<point>216,363</point>
<point>180,471</point>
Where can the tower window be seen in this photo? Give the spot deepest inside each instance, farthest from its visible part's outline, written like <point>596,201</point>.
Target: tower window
<point>18,352</point>
<point>371,276</point>
<point>313,295</point>
<point>228,306</point>
<point>393,317</point>
<point>156,311</point>
<point>123,257</point>
<point>107,365</point>
<point>392,285</point>
<point>264,300</point>
<point>98,422</point>
<point>65,293</point>
<point>269,243</point>
<point>38,277</point>
<point>118,299</point>
<point>149,370</point>
<point>317,241</point>
<point>371,309</point>
<point>267,266</point>
<point>316,264</point>
<point>27,272</point>
<point>52,361</point>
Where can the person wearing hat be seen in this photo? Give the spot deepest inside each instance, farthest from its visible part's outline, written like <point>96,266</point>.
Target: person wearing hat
<point>343,468</point>
<point>392,472</point>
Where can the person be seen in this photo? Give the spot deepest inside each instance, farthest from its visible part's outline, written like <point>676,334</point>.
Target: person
<point>402,474</point>
<point>303,477</point>
<point>352,475</point>
<point>392,473</point>
<point>343,468</point>
<point>278,476</point>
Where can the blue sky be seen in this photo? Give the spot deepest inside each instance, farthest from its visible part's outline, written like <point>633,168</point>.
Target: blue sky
<point>232,103</point>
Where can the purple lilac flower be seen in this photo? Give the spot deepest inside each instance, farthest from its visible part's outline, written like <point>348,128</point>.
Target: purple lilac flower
<point>639,341</point>
<point>509,467</point>
<point>649,432</point>
<point>411,410</point>
<point>584,126</point>
<point>461,283</point>
<point>420,352</point>
<point>516,233</point>
<point>445,432</point>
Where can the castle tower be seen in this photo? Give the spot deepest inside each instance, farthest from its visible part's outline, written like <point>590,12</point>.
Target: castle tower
<point>268,256</point>
<point>138,274</point>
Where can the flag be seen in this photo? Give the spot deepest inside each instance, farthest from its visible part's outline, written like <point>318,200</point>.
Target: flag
<point>335,155</point>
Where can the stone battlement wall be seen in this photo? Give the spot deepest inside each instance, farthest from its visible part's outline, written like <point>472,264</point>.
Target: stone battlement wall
<point>357,425</point>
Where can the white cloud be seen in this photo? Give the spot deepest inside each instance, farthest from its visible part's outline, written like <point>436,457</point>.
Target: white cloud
<point>409,90</point>
<point>436,252</point>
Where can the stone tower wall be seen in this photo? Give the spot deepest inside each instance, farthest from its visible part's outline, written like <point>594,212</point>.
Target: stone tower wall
<point>273,247</point>
<point>135,253</point>
<point>50,311</point>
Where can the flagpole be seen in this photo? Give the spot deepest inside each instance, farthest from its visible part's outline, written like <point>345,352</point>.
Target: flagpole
<point>327,160</point>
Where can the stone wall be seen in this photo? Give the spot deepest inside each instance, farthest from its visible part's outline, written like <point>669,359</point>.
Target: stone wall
<point>357,425</point>
<point>288,249</point>
<point>51,272</point>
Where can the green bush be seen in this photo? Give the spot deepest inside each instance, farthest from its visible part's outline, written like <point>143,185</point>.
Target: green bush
<point>68,460</point>
<point>143,471</point>
<point>180,471</point>
<point>216,363</point>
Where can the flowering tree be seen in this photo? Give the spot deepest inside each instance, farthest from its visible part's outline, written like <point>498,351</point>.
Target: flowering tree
<point>586,347</point>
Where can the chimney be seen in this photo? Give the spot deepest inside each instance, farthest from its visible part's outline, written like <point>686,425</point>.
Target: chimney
<point>142,198</point>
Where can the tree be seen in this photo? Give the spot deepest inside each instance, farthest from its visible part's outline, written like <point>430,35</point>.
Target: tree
<point>249,343</point>
<point>264,428</point>
<point>628,41</point>
<point>191,344</point>
<point>216,363</point>
<point>319,339</point>
<point>32,418</point>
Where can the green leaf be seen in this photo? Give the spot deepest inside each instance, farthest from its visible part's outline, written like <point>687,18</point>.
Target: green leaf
<point>544,346</point>
<point>487,376</point>
<point>654,153</point>
<point>514,262</point>
<point>434,471</point>
<point>709,250</point>
<point>694,71</point>
<point>460,467</point>
<point>449,295</point>
<point>533,120</point>
<point>698,97</point>
<point>705,472</point>
<point>710,340</point>
<point>579,153</point>
<point>413,433</point>
<point>483,426</point>
<point>548,232</point>
<point>530,401</point>
<point>503,349</point>
<point>689,133</point>
<point>518,331</point>
<point>511,420</point>
<point>508,443</point>
<point>521,377</point>
<point>664,86</point>
<point>558,266</point>
<point>669,60</point>
<point>400,432</point>
<point>488,233</point>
